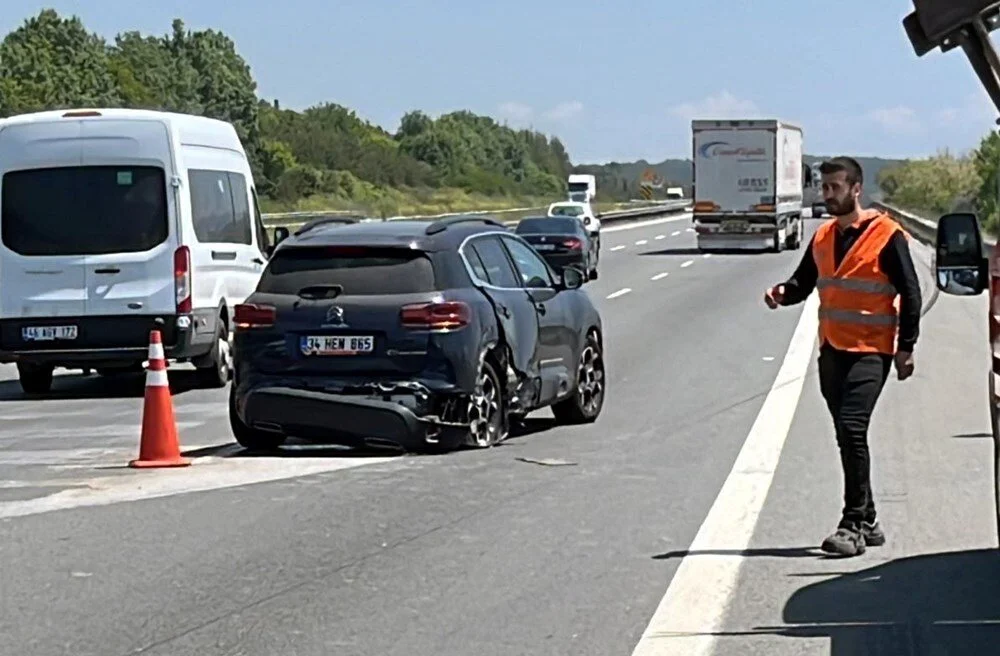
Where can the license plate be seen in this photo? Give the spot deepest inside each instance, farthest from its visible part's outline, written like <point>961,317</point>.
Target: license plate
<point>337,344</point>
<point>735,226</point>
<point>545,247</point>
<point>47,333</point>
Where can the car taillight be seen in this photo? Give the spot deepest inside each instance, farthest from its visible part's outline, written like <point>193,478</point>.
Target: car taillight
<point>435,316</point>
<point>573,244</point>
<point>182,279</point>
<point>250,315</point>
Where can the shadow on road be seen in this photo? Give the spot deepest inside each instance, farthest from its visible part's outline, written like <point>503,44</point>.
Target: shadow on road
<point>123,386</point>
<point>780,552</point>
<point>937,604</point>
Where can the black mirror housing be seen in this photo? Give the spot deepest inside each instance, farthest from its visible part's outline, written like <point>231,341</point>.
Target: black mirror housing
<point>572,278</point>
<point>281,233</point>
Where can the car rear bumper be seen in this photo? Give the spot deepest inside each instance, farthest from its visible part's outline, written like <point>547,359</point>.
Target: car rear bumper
<point>332,417</point>
<point>736,241</point>
<point>109,340</point>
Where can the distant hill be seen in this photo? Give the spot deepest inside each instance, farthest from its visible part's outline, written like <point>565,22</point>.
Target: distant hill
<point>620,180</point>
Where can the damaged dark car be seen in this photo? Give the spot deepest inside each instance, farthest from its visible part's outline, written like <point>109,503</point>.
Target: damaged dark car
<point>411,335</point>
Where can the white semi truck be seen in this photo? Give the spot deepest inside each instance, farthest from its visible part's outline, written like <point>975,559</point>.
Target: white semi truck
<point>582,187</point>
<point>748,184</point>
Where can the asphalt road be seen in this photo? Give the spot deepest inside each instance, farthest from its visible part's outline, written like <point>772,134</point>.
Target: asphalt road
<point>636,535</point>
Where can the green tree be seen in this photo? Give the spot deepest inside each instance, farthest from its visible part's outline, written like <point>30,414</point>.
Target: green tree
<point>51,62</point>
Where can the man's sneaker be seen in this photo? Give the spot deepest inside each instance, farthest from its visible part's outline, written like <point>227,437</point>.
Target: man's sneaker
<point>844,542</point>
<point>873,534</point>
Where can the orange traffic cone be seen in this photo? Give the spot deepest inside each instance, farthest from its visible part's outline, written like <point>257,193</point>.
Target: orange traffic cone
<point>159,445</point>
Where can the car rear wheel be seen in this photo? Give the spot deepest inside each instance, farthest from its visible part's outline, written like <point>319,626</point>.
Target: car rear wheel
<point>249,438</point>
<point>487,408</point>
<point>588,398</point>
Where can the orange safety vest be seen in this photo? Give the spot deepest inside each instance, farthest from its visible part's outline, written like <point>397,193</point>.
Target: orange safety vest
<point>858,305</point>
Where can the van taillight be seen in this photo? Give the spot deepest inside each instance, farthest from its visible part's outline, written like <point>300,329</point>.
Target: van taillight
<point>251,315</point>
<point>448,315</point>
<point>182,279</point>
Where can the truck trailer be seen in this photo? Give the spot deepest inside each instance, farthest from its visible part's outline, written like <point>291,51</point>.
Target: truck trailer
<point>748,184</point>
<point>582,187</point>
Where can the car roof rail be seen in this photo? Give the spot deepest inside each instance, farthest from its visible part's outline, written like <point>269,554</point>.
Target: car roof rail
<point>443,224</point>
<point>326,220</point>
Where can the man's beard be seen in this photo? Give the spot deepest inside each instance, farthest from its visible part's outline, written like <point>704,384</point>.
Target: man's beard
<point>841,207</point>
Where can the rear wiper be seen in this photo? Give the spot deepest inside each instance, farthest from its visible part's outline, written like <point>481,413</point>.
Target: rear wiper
<point>313,292</point>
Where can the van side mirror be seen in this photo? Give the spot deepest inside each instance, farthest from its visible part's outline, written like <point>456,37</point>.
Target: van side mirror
<point>960,266</point>
<point>281,233</point>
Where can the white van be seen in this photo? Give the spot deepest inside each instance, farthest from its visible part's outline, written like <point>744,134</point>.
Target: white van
<point>114,222</point>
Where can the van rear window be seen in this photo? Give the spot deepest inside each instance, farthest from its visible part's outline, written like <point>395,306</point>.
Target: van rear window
<point>362,271</point>
<point>84,210</point>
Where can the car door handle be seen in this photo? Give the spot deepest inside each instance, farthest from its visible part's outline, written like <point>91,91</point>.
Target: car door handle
<point>257,260</point>
<point>541,308</point>
<point>223,255</point>
<point>504,310</point>
<point>108,270</point>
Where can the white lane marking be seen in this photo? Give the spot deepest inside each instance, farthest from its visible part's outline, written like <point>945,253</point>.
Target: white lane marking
<point>687,264</point>
<point>675,233</point>
<point>707,255</point>
<point>694,606</point>
<point>659,237</point>
<point>651,222</point>
<point>203,474</point>
<point>768,358</point>
<point>660,276</point>
<point>690,229</point>
<point>642,242</point>
<point>617,248</point>
<point>620,292</point>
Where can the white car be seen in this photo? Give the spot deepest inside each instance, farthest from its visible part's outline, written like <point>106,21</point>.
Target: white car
<point>113,223</point>
<point>580,210</point>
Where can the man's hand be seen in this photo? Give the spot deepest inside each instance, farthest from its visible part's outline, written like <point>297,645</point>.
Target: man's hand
<point>904,364</point>
<point>774,296</point>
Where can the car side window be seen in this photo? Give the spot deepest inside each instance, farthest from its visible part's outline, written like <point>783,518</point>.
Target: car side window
<point>499,271</point>
<point>532,268</point>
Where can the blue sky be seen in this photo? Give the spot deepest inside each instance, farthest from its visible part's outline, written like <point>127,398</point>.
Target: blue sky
<point>614,80</point>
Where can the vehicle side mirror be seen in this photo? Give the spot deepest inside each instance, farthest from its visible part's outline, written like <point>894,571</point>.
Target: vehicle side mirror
<point>281,233</point>
<point>960,266</point>
<point>572,278</point>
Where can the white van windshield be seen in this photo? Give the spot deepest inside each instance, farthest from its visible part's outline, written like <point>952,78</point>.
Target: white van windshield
<point>84,210</point>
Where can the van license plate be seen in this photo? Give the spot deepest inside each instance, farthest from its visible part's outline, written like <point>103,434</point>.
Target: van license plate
<point>47,333</point>
<point>336,344</point>
<point>735,226</point>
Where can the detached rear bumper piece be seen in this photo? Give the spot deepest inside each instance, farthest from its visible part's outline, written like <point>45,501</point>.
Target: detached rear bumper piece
<point>324,416</point>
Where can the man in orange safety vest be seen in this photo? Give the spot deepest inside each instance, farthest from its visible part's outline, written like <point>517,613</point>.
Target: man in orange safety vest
<point>869,318</point>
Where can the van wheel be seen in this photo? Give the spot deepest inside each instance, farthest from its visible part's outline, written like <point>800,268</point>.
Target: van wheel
<point>35,378</point>
<point>220,360</point>
<point>248,438</point>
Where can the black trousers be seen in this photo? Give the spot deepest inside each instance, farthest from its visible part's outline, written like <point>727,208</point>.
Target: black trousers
<point>851,383</point>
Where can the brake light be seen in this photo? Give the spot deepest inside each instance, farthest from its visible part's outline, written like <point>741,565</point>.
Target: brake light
<point>448,315</point>
<point>573,244</point>
<point>251,315</point>
<point>182,280</point>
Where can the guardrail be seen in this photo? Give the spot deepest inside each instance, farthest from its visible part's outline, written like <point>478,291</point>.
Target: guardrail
<point>653,209</point>
<point>923,229</point>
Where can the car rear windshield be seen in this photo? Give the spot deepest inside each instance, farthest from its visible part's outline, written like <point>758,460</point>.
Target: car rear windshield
<point>549,226</point>
<point>84,210</point>
<point>361,271</point>
<point>566,210</point>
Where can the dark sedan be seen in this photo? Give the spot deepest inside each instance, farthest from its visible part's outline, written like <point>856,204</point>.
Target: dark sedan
<point>562,242</point>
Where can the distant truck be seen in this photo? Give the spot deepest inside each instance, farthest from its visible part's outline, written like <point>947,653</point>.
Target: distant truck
<point>675,193</point>
<point>582,187</point>
<point>748,184</point>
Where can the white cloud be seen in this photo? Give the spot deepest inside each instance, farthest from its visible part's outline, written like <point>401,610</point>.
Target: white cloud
<point>899,119</point>
<point>722,105</point>
<point>564,110</point>
<point>516,111</point>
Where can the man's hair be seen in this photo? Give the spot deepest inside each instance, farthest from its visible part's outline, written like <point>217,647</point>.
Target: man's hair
<point>847,164</point>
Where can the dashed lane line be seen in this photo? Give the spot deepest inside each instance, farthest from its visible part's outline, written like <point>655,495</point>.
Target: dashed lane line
<point>687,264</point>
<point>620,292</point>
<point>660,276</point>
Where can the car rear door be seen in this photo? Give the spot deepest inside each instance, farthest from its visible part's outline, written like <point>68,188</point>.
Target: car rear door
<point>493,272</point>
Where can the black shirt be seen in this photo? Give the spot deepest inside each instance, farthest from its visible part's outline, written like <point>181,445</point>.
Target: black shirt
<point>894,259</point>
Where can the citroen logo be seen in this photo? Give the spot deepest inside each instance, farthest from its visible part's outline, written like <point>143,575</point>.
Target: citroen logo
<point>335,315</point>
